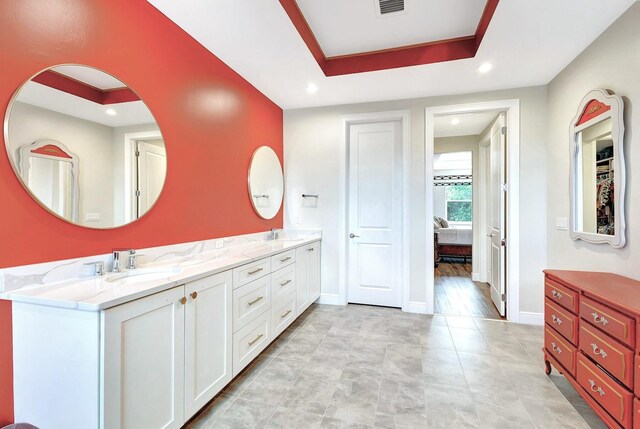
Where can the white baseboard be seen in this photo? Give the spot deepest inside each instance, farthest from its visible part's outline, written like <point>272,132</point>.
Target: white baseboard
<point>475,277</point>
<point>331,299</point>
<point>416,307</point>
<point>529,318</point>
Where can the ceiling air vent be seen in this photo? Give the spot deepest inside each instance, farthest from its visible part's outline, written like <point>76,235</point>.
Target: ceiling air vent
<point>391,6</point>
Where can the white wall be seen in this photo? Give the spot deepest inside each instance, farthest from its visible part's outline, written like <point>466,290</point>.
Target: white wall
<point>611,62</point>
<point>89,140</point>
<point>312,139</point>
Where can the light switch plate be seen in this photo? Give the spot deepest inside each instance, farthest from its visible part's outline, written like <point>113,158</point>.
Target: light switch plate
<point>561,223</point>
<point>92,217</point>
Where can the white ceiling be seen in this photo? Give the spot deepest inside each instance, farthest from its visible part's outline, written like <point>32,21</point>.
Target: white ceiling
<point>468,124</point>
<point>347,27</point>
<point>460,162</point>
<point>528,42</point>
<point>89,75</point>
<point>130,113</point>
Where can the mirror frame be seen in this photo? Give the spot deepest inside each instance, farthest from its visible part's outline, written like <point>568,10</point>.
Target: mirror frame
<point>253,197</point>
<point>600,98</point>
<point>16,163</point>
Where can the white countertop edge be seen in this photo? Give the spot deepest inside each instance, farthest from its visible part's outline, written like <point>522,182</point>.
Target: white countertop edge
<point>189,274</point>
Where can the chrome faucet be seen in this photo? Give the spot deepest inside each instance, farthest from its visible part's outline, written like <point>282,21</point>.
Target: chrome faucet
<point>274,234</point>
<point>117,259</point>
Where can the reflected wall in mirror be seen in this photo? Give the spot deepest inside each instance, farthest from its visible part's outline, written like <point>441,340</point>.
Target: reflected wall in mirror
<point>266,185</point>
<point>110,162</point>
<point>598,170</point>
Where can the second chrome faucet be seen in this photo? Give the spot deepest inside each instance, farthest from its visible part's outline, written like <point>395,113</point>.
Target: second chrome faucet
<point>121,255</point>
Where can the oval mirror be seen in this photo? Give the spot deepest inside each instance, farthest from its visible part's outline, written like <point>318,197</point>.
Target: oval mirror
<point>598,170</point>
<point>266,185</point>
<point>85,146</point>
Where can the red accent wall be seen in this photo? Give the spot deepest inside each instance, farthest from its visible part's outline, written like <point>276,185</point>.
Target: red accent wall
<point>212,121</point>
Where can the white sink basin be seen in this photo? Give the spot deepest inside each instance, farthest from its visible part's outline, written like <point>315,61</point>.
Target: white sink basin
<point>143,274</point>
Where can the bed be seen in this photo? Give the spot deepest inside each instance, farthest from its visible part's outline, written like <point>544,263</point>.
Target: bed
<point>455,242</point>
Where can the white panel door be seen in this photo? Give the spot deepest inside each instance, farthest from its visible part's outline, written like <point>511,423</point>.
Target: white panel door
<point>374,225</point>
<point>152,168</point>
<point>208,339</point>
<point>497,230</point>
<point>143,363</point>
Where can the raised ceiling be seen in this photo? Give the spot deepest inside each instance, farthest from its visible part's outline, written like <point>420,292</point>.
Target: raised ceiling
<point>528,43</point>
<point>464,124</point>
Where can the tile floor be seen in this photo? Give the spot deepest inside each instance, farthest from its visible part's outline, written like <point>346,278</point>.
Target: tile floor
<point>372,367</point>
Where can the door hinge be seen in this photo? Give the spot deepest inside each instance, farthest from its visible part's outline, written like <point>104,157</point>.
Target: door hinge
<point>503,130</point>
<point>503,297</point>
<point>504,187</point>
<point>137,153</point>
<point>503,242</point>
<point>137,193</point>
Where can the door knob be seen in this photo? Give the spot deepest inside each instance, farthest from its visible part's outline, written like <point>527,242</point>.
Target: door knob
<point>352,235</point>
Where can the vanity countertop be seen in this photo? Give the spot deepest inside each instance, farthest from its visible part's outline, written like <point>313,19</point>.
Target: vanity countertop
<point>99,293</point>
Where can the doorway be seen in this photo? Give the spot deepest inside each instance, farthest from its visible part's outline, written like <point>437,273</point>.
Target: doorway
<point>375,162</point>
<point>479,289</point>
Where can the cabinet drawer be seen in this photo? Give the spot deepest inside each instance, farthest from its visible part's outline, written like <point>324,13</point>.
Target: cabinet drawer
<point>249,272</point>
<point>614,398</point>
<point>562,321</point>
<point>283,259</point>
<point>250,300</point>
<point>561,294</point>
<point>560,349</point>
<point>614,323</point>
<point>636,371</point>
<point>283,314</point>
<point>249,341</point>
<point>283,282</point>
<point>636,413</point>
<point>605,351</point>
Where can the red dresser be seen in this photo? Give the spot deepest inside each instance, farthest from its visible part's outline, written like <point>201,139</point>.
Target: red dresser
<point>590,335</point>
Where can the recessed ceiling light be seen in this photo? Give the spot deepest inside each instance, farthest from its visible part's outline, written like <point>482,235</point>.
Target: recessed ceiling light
<point>111,112</point>
<point>485,67</point>
<point>312,88</point>
<point>455,121</point>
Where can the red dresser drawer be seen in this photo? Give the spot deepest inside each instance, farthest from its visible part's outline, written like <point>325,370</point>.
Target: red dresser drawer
<point>560,349</point>
<point>614,398</point>
<point>561,320</point>
<point>614,323</point>
<point>636,413</point>
<point>561,294</point>
<point>637,376</point>
<point>605,351</point>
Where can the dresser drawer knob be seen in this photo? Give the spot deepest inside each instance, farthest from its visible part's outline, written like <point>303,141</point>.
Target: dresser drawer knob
<point>556,319</point>
<point>252,342</point>
<point>253,301</point>
<point>595,388</point>
<point>598,351</point>
<point>556,294</point>
<point>556,348</point>
<point>599,319</point>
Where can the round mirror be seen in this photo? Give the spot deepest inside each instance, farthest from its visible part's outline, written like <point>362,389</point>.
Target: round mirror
<point>266,186</point>
<point>85,146</point>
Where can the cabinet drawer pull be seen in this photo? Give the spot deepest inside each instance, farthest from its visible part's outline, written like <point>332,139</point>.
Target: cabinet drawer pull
<point>194,294</point>
<point>183,300</point>
<point>285,259</point>
<point>556,348</point>
<point>556,319</point>
<point>556,294</point>
<point>285,283</point>
<point>599,319</point>
<point>595,388</point>
<point>256,271</point>
<point>252,342</point>
<point>598,351</point>
<point>285,314</point>
<point>310,249</point>
<point>253,301</point>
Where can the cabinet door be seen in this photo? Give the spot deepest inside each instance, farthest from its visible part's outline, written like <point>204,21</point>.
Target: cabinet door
<point>208,339</point>
<point>302,290</point>
<point>313,272</point>
<point>142,370</point>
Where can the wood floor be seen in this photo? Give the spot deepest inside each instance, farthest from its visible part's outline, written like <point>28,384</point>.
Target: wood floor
<point>456,294</point>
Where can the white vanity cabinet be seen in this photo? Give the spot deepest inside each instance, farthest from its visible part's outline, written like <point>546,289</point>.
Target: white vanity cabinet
<point>307,275</point>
